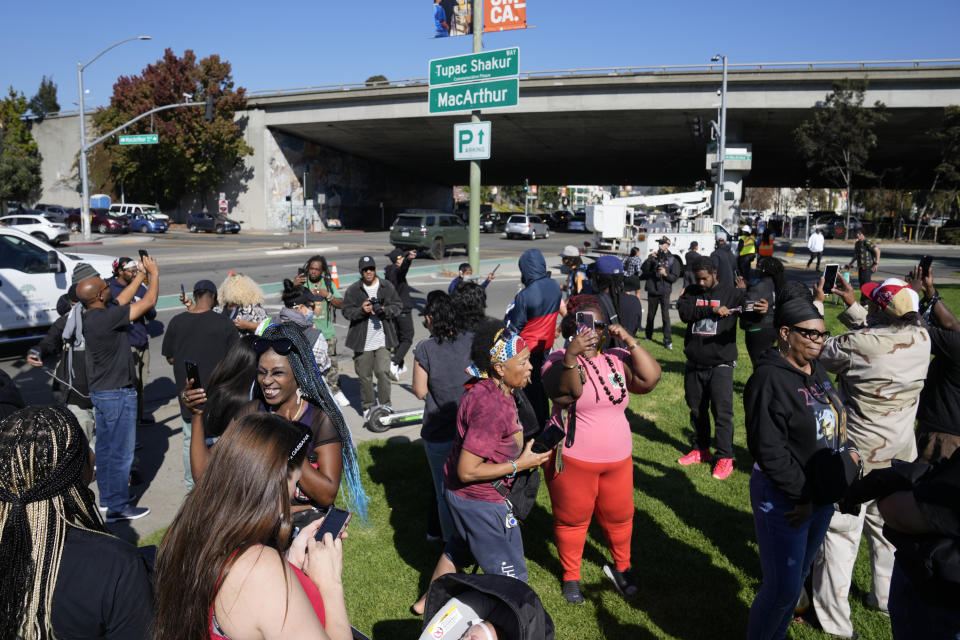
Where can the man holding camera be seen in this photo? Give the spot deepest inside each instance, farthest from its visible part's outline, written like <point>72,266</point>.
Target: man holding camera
<point>661,269</point>
<point>371,305</point>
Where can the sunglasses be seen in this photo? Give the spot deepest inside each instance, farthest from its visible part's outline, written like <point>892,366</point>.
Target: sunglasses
<point>811,334</point>
<point>282,346</point>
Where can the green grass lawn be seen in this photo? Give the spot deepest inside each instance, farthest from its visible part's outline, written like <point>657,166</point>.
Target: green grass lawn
<point>694,550</point>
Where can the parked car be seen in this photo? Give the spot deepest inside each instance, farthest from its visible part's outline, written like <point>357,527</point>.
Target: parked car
<point>213,222</point>
<point>493,222</point>
<point>100,221</point>
<point>38,226</point>
<point>833,224</point>
<point>577,223</point>
<point>430,231</point>
<point>55,211</point>
<point>128,209</point>
<point>557,221</point>
<point>526,226</point>
<point>146,223</point>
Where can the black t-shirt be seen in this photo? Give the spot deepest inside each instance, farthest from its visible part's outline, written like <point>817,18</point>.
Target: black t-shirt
<point>103,588</point>
<point>203,338</point>
<point>445,363</point>
<point>940,399</point>
<point>109,361</point>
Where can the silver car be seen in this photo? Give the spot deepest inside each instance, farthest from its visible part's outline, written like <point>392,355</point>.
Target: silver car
<point>526,226</point>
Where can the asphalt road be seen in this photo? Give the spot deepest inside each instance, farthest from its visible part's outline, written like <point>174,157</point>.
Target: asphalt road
<point>268,259</point>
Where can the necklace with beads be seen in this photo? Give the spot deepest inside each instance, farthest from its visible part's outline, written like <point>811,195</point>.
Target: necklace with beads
<point>616,378</point>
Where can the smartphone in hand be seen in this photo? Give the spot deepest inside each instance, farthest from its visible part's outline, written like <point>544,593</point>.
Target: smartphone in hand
<point>585,321</point>
<point>143,253</point>
<point>193,372</point>
<point>548,439</point>
<point>830,272</point>
<point>183,293</point>
<point>925,263</point>
<point>334,523</point>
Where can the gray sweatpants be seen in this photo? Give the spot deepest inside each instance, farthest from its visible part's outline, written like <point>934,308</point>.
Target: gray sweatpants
<point>366,364</point>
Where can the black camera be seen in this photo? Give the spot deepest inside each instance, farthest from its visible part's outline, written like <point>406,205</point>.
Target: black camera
<point>377,304</point>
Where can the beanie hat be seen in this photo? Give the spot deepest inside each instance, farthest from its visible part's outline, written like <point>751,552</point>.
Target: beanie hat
<point>82,271</point>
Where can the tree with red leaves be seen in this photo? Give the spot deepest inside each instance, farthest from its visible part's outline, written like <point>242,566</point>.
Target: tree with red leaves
<point>193,156</point>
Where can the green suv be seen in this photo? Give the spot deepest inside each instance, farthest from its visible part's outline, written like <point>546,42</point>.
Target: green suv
<point>430,231</point>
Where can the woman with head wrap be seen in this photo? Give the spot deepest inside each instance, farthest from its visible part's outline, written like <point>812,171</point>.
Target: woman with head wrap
<point>797,433</point>
<point>63,574</point>
<point>289,385</point>
<point>758,328</point>
<point>488,447</point>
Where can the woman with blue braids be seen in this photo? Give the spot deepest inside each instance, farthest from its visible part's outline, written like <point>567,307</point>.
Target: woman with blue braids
<point>290,385</point>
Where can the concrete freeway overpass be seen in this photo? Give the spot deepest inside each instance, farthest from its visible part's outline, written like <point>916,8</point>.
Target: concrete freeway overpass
<point>366,145</point>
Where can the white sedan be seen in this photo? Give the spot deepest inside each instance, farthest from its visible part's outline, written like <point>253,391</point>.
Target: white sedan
<point>38,226</point>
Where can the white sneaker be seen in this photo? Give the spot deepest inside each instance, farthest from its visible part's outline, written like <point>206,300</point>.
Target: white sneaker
<point>394,372</point>
<point>402,370</point>
<point>341,399</point>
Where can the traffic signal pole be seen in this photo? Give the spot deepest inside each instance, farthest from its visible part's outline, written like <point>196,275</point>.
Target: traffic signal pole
<point>473,248</point>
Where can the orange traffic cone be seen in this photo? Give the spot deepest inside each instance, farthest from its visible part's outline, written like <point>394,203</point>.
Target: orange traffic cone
<point>334,275</point>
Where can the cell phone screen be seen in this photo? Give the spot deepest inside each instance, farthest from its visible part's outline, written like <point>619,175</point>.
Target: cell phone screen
<point>183,292</point>
<point>193,371</point>
<point>585,321</point>
<point>143,253</point>
<point>334,523</point>
<point>925,263</point>
<point>830,277</point>
<point>547,440</point>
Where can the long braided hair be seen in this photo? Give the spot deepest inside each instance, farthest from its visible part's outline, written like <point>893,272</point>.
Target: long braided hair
<point>43,452</point>
<point>309,380</point>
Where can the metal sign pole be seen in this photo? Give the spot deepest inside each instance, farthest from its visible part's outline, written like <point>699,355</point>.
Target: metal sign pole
<point>473,249</point>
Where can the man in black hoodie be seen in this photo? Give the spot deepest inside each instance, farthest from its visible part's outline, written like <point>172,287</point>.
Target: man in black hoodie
<point>396,274</point>
<point>710,310</point>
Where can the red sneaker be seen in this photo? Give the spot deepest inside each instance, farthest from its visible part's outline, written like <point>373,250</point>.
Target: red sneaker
<point>695,456</point>
<point>723,469</point>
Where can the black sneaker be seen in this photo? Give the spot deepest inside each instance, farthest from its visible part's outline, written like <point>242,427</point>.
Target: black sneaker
<point>622,580</point>
<point>130,513</point>
<point>571,592</point>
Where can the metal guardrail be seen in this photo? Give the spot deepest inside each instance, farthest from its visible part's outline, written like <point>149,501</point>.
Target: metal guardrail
<point>863,65</point>
<point>860,65</point>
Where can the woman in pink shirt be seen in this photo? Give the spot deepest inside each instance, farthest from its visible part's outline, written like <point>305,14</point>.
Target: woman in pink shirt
<point>592,471</point>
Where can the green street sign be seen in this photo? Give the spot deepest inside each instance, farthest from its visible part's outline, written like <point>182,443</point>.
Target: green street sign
<point>142,138</point>
<point>501,63</point>
<point>478,95</point>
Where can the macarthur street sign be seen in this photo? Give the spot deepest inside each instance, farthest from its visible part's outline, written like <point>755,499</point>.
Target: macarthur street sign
<point>142,138</point>
<point>478,95</point>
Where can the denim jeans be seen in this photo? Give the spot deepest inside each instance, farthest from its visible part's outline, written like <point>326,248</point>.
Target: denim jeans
<point>115,412</point>
<point>912,616</point>
<point>187,472</point>
<point>786,554</point>
<point>437,454</point>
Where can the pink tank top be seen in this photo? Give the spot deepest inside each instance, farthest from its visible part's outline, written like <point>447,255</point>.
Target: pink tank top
<point>313,594</point>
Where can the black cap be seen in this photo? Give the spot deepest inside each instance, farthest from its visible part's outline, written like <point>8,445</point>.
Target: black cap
<point>366,262</point>
<point>205,285</point>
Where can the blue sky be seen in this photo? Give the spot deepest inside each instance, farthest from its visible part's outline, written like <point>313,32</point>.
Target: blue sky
<point>283,45</point>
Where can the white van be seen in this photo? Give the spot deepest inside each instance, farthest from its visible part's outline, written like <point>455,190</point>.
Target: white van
<point>123,210</point>
<point>32,278</point>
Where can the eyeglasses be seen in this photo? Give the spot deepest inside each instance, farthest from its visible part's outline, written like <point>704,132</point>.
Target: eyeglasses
<point>811,334</point>
<point>282,346</point>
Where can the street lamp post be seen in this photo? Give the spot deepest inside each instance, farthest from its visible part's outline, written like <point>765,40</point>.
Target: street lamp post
<point>85,187</point>
<point>721,156</point>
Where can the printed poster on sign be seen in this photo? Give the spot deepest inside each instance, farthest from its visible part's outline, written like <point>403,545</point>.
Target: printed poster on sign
<point>504,15</point>
<point>452,18</point>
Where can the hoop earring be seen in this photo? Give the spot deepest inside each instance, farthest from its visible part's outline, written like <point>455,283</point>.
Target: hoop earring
<point>299,395</point>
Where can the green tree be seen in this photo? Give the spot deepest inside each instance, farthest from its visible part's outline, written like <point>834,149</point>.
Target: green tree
<point>946,175</point>
<point>19,156</point>
<point>45,100</point>
<point>836,141</point>
<point>376,80</point>
<point>548,194</point>
<point>193,156</point>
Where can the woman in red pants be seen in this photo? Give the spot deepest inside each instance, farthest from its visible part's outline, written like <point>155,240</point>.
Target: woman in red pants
<point>592,471</point>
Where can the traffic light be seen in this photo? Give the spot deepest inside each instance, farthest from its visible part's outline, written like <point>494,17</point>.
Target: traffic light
<point>715,172</point>
<point>526,187</point>
<point>697,127</point>
<point>208,115</point>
